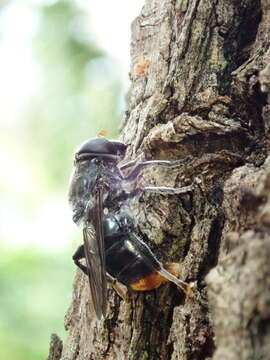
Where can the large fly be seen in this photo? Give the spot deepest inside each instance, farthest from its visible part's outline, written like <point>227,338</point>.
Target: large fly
<point>112,249</point>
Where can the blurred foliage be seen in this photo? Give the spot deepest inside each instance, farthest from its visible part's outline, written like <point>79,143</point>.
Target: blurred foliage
<point>80,89</point>
<point>36,290</point>
<point>78,95</point>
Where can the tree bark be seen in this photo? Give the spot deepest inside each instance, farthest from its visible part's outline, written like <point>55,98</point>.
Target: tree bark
<point>200,73</point>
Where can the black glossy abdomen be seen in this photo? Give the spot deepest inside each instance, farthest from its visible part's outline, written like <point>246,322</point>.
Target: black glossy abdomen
<point>129,260</point>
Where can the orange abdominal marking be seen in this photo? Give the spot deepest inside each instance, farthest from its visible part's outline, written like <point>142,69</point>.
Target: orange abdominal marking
<point>149,282</point>
<point>154,280</point>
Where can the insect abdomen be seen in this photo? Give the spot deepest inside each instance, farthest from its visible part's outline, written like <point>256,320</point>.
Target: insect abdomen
<point>126,263</point>
<point>128,259</point>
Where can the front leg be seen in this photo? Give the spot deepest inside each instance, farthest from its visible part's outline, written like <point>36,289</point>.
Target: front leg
<point>137,168</point>
<point>165,190</point>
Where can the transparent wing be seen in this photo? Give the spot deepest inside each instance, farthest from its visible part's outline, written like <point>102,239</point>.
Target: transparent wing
<point>95,255</point>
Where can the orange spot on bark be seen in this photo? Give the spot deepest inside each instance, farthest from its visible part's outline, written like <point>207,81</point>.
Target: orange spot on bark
<point>141,68</point>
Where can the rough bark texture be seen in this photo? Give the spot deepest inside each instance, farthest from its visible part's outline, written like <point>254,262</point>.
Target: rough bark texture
<point>200,74</point>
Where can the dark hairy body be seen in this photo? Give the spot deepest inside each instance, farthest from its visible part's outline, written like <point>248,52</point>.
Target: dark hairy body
<point>112,249</point>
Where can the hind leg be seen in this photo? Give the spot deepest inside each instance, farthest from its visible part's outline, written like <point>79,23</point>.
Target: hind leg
<point>173,268</point>
<point>77,256</point>
<point>172,272</point>
<point>117,286</point>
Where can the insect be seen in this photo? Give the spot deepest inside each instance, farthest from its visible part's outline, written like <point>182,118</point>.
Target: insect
<point>112,249</point>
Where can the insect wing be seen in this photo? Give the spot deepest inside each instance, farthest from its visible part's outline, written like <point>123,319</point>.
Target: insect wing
<point>98,221</point>
<point>145,252</point>
<point>95,256</point>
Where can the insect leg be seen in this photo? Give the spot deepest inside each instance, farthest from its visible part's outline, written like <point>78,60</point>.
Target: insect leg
<point>172,276</point>
<point>128,164</point>
<point>167,190</point>
<point>140,166</point>
<point>78,255</point>
<point>154,189</point>
<point>117,286</point>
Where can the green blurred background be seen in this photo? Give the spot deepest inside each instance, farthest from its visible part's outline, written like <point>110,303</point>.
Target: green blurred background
<point>63,75</point>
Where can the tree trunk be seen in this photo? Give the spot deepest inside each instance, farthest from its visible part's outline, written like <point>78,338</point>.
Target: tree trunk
<point>200,74</point>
